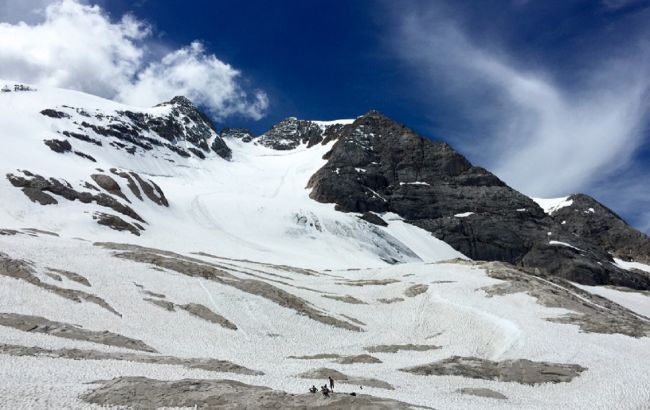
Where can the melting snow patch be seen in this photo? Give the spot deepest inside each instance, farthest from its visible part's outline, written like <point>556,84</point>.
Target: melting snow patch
<point>414,183</point>
<point>464,214</point>
<point>325,124</point>
<point>360,170</point>
<point>550,205</point>
<point>558,243</point>
<point>631,265</point>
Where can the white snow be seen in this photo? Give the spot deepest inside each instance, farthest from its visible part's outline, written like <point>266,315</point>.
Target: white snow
<point>323,125</point>
<point>414,183</point>
<point>256,208</point>
<point>558,243</point>
<point>250,207</point>
<point>632,265</point>
<point>464,214</point>
<point>550,205</point>
<point>636,301</point>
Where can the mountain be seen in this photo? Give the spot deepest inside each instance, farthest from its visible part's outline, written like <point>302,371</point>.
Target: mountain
<point>147,251</point>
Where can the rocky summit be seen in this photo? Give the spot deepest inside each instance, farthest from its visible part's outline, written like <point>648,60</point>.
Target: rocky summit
<point>149,259</point>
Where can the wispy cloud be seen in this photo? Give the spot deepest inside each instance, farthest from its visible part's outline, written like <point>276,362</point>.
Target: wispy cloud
<point>541,137</point>
<point>75,45</point>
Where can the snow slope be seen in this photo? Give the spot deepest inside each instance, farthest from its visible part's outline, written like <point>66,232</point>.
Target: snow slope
<point>255,206</point>
<point>237,239</point>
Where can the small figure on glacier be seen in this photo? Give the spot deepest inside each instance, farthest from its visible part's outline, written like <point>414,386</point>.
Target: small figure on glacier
<point>325,390</point>
<point>331,383</point>
<point>313,389</point>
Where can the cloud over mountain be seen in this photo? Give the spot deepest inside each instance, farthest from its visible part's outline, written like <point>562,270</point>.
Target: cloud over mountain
<point>79,46</point>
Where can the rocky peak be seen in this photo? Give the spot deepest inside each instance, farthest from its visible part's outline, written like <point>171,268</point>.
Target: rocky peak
<point>237,133</point>
<point>182,130</point>
<point>290,133</point>
<point>588,218</point>
<point>378,165</point>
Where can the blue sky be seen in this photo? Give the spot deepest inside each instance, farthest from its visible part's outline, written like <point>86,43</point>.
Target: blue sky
<point>550,95</point>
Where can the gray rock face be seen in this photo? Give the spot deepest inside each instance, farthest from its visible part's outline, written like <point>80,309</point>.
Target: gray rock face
<point>521,371</point>
<point>37,324</point>
<point>144,393</point>
<point>237,133</point>
<point>131,131</point>
<point>59,146</point>
<point>482,392</point>
<point>377,165</point>
<point>213,365</point>
<point>292,132</point>
<point>588,218</point>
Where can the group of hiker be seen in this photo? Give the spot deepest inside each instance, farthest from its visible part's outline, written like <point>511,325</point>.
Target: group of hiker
<point>324,389</point>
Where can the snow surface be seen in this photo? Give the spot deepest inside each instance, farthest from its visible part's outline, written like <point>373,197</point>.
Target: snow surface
<point>568,245</point>
<point>256,208</point>
<point>632,265</point>
<point>464,214</point>
<point>550,205</point>
<point>638,302</point>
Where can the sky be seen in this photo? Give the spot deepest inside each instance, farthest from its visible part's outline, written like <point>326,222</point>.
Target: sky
<point>552,96</point>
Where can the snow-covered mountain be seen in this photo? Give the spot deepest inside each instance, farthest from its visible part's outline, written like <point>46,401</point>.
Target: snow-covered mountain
<point>147,249</point>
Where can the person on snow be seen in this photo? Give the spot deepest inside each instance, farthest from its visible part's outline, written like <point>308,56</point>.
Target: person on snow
<point>331,383</point>
<point>325,391</point>
<point>313,389</point>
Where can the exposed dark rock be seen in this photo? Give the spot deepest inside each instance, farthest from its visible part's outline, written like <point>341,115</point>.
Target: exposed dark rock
<point>521,371</point>
<point>38,196</point>
<point>59,146</point>
<point>21,270</point>
<point>391,300</point>
<point>64,189</point>
<point>219,146</point>
<point>35,231</point>
<point>415,290</point>
<point>168,306</point>
<point>82,137</point>
<point>592,313</point>
<point>377,165</point>
<point>588,218</point>
<point>323,373</point>
<point>368,282</point>
<point>346,299</point>
<point>196,267</point>
<point>205,313</point>
<point>196,152</point>
<point>482,392</point>
<point>212,365</point>
<point>109,185</point>
<point>36,324</point>
<point>115,222</point>
<point>86,156</point>
<point>151,190</point>
<point>237,133</point>
<point>144,393</point>
<point>54,113</point>
<point>75,277</point>
<point>129,182</point>
<point>397,348</point>
<point>373,219</point>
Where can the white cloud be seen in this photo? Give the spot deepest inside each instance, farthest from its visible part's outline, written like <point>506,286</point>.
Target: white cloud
<point>202,78</point>
<point>78,46</point>
<point>542,138</point>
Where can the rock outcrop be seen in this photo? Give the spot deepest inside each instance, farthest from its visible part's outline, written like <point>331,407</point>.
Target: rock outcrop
<point>377,165</point>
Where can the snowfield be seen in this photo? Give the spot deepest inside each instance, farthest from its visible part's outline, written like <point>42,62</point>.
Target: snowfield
<point>244,267</point>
